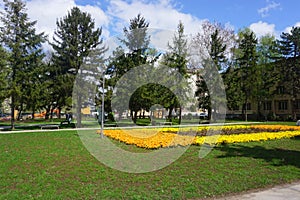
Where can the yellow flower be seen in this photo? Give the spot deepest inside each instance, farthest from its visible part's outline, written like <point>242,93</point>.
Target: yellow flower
<point>251,137</point>
<point>167,136</point>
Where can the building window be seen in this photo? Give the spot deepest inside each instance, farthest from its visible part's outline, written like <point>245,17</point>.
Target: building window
<point>268,105</point>
<point>233,107</point>
<point>297,104</point>
<point>248,107</point>
<point>280,90</point>
<point>282,105</point>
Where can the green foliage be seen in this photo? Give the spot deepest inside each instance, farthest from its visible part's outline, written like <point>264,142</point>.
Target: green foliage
<point>4,72</point>
<point>208,92</point>
<point>288,65</point>
<point>25,53</point>
<point>289,43</point>
<point>247,61</point>
<point>259,68</point>
<point>136,34</point>
<point>177,55</point>
<point>152,94</point>
<point>266,77</point>
<point>177,58</point>
<point>74,40</point>
<point>136,41</point>
<point>217,50</point>
<point>251,71</point>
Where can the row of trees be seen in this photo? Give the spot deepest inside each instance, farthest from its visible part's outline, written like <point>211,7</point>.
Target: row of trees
<point>260,67</point>
<point>159,87</point>
<point>251,68</point>
<point>32,78</point>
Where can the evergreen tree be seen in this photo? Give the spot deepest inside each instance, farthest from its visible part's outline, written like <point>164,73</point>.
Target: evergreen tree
<point>266,78</point>
<point>289,64</point>
<point>177,58</point>
<point>217,50</point>
<point>136,37</point>
<point>74,39</point>
<point>212,47</point>
<point>247,61</point>
<point>49,87</point>
<point>24,45</point>
<point>210,77</point>
<point>202,41</point>
<point>4,72</point>
<point>138,53</point>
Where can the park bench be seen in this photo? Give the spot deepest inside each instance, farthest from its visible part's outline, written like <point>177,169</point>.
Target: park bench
<point>165,123</point>
<point>64,122</point>
<point>49,126</point>
<point>110,125</point>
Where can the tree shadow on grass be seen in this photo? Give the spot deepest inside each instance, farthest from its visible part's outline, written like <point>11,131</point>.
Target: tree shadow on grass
<point>274,156</point>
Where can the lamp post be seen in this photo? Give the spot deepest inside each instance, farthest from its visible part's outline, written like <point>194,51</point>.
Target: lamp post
<point>102,104</point>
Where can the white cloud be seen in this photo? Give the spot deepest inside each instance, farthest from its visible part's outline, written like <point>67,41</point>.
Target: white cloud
<point>271,5</point>
<point>160,14</point>
<point>100,17</point>
<point>47,12</point>
<point>288,29</point>
<point>262,28</point>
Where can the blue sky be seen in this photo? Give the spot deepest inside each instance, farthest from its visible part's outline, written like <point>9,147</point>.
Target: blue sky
<point>242,13</point>
<point>262,16</point>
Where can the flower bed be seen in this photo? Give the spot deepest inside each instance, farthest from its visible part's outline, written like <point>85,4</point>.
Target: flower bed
<point>160,139</point>
<point>169,137</point>
<point>248,137</point>
<point>234,129</point>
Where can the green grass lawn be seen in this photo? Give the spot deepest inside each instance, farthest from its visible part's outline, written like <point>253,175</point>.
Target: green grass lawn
<point>55,165</point>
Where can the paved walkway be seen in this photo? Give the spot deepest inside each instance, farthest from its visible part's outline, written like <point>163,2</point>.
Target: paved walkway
<point>3,131</point>
<point>282,192</point>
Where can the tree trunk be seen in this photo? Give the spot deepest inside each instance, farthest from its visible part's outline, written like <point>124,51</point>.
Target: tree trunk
<point>59,113</point>
<point>12,115</point>
<point>245,112</point>
<point>135,117</point>
<point>20,112</point>
<point>51,113</point>
<point>47,112</point>
<point>259,112</point>
<point>170,114</point>
<point>180,112</point>
<point>131,115</point>
<point>213,113</point>
<point>293,106</point>
<point>209,113</point>
<point>32,114</point>
<point>78,111</point>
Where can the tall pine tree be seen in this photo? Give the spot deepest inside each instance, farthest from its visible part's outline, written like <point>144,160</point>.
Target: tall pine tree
<point>289,65</point>
<point>75,37</point>
<point>24,45</point>
<point>136,40</point>
<point>4,72</point>
<point>177,58</point>
<point>247,61</point>
<point>208,80</point>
